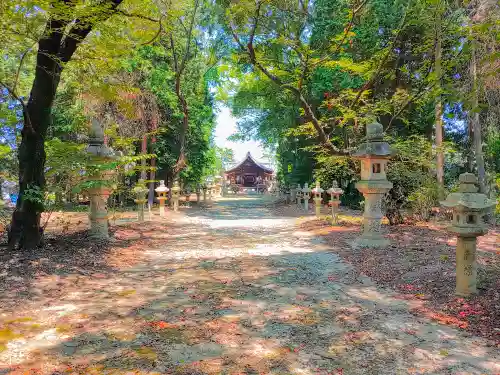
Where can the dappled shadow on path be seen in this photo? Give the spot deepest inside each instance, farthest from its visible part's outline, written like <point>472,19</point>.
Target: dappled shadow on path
<point>246,299</point>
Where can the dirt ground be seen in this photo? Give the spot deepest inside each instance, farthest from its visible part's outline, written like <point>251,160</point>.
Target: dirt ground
<point>243,287</point>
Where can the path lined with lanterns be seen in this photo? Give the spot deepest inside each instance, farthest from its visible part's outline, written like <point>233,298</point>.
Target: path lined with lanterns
<point>233,287</point>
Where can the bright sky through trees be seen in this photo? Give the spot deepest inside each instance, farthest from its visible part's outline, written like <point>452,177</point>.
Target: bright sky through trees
<point>226,126</point>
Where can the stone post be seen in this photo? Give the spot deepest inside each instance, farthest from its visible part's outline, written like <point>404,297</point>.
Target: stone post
<point>293,194</point>
<point>204,188</point>
<point>176,190</point>
<point>198,193</point>
<point>469,208</point>
<point>335,193</point>
<point>209,188</point>
<point>101,182</point>
<point>140,191</point>
<point>162,191</point>
<point>99,226</point>
<point>374,155</point>
<point>187,194</point>
<point>306,194</point>
<point>318,191</point>
<point>298,196</point>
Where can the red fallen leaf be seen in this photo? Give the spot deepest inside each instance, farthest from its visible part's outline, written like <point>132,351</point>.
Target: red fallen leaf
<point>162,325</point>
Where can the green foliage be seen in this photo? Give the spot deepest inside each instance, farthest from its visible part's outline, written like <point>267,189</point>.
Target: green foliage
<point>414,186</point>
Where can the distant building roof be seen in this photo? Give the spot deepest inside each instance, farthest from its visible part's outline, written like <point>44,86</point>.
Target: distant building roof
<point>249,159</point>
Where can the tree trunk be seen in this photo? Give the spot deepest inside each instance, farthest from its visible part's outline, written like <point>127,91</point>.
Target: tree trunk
<point>56,46</point>
<point>25,227</point>
<point>476,124</point>
<point>439,111</point>
<point>152,175</point>
<point>144,151</point>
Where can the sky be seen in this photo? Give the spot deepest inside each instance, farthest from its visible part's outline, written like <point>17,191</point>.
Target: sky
<point>226,126</point>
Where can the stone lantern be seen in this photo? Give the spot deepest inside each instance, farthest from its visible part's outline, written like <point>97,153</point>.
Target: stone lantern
<point>100,192</point>
<point>176,191</point>
<point>162,191</point>
<point>224,190</point>
<point>198,193</point>
<point>374,155</point>
<point>298,195</point>
<point>468,207</point>
<point>335,193</point>
<point>204,188</point>
<point>318,192</point>
<point>209,189</point>
<point>218,189</point>
<point>293,194</point>
<point>306,195</point>
<point>140,191</point>
<point>187,193</point>
<point>288,194</point>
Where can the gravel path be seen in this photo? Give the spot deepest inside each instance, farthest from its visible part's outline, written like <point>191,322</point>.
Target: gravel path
<point>231,289</point>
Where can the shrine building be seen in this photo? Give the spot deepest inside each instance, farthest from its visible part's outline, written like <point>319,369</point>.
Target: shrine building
<point>249,173</point>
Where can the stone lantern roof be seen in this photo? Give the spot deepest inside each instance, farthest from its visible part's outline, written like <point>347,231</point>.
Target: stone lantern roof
<point>96,146</point>
<point>335,189</point>
<point>306,188</point>
<point>140,189</point>
<point>467,196</point>
<point>162,188</point>
<point>374,146</point>
<point>317,189</point>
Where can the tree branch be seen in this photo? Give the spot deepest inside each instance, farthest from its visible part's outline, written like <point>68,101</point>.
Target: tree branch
<point>135,15</point>
<point>23,104</point>
<point>368,85</point>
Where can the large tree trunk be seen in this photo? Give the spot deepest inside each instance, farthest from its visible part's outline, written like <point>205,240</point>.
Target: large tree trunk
<point>25,227</point>
<point>152,175</point>
<point>476,124</point>
<point>439,112</point>
<point>55,48</point>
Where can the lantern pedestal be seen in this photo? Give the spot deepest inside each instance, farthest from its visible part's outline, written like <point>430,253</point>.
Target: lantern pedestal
<point>318,191</point>
<point>317,206</point>
<point>98,216</point>
<point>306,194</point>
<point>468,207</point>
<point>140,209</point>
<point>162,191</point>
<point>293,194</point>
<point>466,266</point>
<point>335,193</point>
<point>373,191</point>
<point>140,191</point>
<point>162,206</point>
<point>176,190</point>
<point>335,211</point>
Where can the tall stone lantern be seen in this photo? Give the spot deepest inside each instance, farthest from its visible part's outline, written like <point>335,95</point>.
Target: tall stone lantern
<point>204,188</point>
<point>162,191</point>
<point>298,195</point>
<point>176,191</point>
<point>209,189</point>
<point>100,191</point>
<point>198,193</point>
<point>306,195</point>
<point>318,192</point>
<point>374,155</point>
<point>468,207</point>
<point>140,191</point>
<point>293,194</point>
<point>335,193</point>
<point>187,193</point>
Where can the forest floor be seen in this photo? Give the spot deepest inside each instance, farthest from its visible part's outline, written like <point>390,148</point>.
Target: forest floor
<point>244,287</point>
